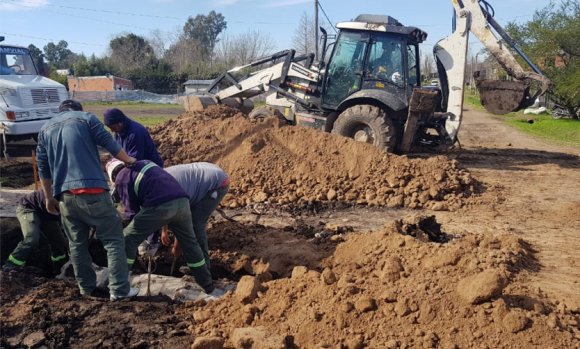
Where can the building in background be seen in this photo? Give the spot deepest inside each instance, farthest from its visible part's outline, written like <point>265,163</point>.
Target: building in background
<point>98,83</point>
<point>196,86</point>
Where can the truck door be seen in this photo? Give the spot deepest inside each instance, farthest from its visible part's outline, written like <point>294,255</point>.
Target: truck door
<point>344,71</point>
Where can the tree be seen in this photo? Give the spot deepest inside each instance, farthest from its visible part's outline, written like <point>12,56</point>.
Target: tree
<point>243,48</point>
<point>552,40</point>
<point>131,52</point>
<point>205,30</point>
<point>58,55</point>
<point>92,66</point>
<point>35,52</point>
<point>304,37</point>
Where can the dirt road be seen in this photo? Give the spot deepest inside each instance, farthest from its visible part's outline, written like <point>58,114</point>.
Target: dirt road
<point>539,186</point>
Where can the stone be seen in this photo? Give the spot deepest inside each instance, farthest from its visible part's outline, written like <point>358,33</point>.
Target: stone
<point>299,272</point>
<point>481,287</point>
<point>365,304</point>
<point>515,322</point>
<point>247,289</point>
<point>34,339</point>
<point>328,276</point>
<point>208,343</point>
<point>256,337</point>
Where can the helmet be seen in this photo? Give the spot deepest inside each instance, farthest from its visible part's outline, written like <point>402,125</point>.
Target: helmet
<point>70,104</point>
<point>113,167</point>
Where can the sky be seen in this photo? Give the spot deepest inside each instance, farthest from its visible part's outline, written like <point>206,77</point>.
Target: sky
<point>89,26</point>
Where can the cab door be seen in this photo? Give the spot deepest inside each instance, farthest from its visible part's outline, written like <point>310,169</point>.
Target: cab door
<point>345,69</point>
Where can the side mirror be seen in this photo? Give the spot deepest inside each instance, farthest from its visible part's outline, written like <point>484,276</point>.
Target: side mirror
<point>41,67</point>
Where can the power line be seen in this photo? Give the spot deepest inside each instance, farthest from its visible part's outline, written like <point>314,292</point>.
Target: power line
<point>49,40</point>
<point>20,2</point>
<point>329,22</point>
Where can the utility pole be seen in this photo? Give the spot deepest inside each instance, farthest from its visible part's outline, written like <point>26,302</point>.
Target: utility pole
<point>316,30</point>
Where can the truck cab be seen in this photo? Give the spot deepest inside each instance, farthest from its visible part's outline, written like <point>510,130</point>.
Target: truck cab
<point>27,99</point>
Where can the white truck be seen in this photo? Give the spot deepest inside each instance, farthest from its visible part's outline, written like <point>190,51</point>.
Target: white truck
<point>27,99</point>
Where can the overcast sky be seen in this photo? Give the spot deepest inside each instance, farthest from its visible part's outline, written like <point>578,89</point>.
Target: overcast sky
<point>88,26</point>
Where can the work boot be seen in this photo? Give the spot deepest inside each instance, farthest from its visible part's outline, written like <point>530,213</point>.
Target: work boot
<point>214,295</point>
<point>9,266</point>
<point>133,291</point>
<point>57,266</point>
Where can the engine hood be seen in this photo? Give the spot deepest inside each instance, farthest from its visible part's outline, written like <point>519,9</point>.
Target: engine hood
<point>27,81</point>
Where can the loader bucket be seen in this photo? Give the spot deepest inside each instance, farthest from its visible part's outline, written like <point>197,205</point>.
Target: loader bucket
<point>199,103</point>
<point>502,97</point>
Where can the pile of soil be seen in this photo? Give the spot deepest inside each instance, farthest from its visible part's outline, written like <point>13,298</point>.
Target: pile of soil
<point>390,290</point>
<point>292,166</point>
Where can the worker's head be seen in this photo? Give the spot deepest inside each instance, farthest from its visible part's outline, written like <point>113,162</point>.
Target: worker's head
<point>115,120</point>
<point>70,104</point>
<point>113,167</point>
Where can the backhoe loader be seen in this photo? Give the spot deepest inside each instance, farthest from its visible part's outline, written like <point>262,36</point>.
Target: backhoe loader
<point>369,87</point>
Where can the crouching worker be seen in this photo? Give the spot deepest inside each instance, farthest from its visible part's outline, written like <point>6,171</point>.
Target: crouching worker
<point>152,199</point>
<point>206,185</point>
<point>35,221</point>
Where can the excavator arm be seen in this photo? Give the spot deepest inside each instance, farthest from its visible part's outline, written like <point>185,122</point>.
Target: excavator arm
<point>498,97</point>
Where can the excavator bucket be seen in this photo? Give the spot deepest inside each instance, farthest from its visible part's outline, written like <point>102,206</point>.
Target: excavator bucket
<point>502,97</point>
<point>199,103</point>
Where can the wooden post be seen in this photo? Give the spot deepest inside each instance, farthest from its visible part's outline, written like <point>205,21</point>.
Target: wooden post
<point>35,170</point>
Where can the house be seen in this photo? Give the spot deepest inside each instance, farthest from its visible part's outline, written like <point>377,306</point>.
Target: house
<point>98,83</point>
<point>196,86</point>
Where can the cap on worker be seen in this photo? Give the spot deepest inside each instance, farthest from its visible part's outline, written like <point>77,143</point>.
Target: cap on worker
<point>70,104</point>
<point>113,167</point>
<point>114,116</point>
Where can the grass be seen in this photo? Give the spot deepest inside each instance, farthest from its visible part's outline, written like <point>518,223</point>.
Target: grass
<point>147,114</point>
<point>561,131</point>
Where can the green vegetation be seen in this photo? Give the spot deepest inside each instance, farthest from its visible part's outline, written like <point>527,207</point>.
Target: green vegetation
<point>561,131</point>
<point>147,114</point>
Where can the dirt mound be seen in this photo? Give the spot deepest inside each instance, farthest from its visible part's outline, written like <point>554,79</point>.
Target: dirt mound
<point>386,289</point>
<point>16,173</point>
<point>293,166</point>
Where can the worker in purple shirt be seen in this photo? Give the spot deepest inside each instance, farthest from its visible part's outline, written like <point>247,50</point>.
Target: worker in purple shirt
<point>152,198</point>
<point>36,221</point>
<point>132,136</point>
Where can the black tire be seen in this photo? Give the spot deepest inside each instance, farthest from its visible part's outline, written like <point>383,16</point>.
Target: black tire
<point>264,112</point>
<point>367,123</point>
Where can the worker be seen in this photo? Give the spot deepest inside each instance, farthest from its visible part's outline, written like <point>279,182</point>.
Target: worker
<point>388,64</point>
<point>74,184</point>
<point>137,142</point>
<point>36,221</point>
<point>205,184</point>
<point>152,198</point>
<point>132,136</point>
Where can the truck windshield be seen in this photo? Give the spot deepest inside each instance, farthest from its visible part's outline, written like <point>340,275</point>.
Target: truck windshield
<point>16,61</point>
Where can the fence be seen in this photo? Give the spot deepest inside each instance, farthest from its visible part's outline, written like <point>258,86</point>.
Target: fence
<point>118,96</point>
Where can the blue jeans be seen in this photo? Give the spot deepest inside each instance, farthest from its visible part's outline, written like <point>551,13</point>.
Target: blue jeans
<point>200,214</point>
<point>176,215</point>
<point>33,226</point>
<point>79,213</point>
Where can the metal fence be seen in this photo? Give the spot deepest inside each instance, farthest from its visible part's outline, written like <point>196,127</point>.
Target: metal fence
<point>118,96</point>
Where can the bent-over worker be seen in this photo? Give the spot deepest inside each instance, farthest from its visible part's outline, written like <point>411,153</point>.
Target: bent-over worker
<point>206,185</point>
<point>152,198</point>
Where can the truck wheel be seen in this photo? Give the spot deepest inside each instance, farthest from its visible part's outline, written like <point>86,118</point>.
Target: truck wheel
<point>369,124</point>
<point>265,111</point>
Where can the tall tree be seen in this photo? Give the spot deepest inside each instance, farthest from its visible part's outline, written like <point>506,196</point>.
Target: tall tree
<point>304,37</point>
<point>131,52</point>
<point>35,52</point>
<point>58,55</point>
<point>205,30</point>
<point>552,40</point>
<point>243,48</point>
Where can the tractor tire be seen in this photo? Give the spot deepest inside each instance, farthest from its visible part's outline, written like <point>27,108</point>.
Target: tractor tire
<point>369,124</point>
<point>264,112</point>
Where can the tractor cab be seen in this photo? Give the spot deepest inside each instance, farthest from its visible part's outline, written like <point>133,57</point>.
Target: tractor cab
<point>373,57</point>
